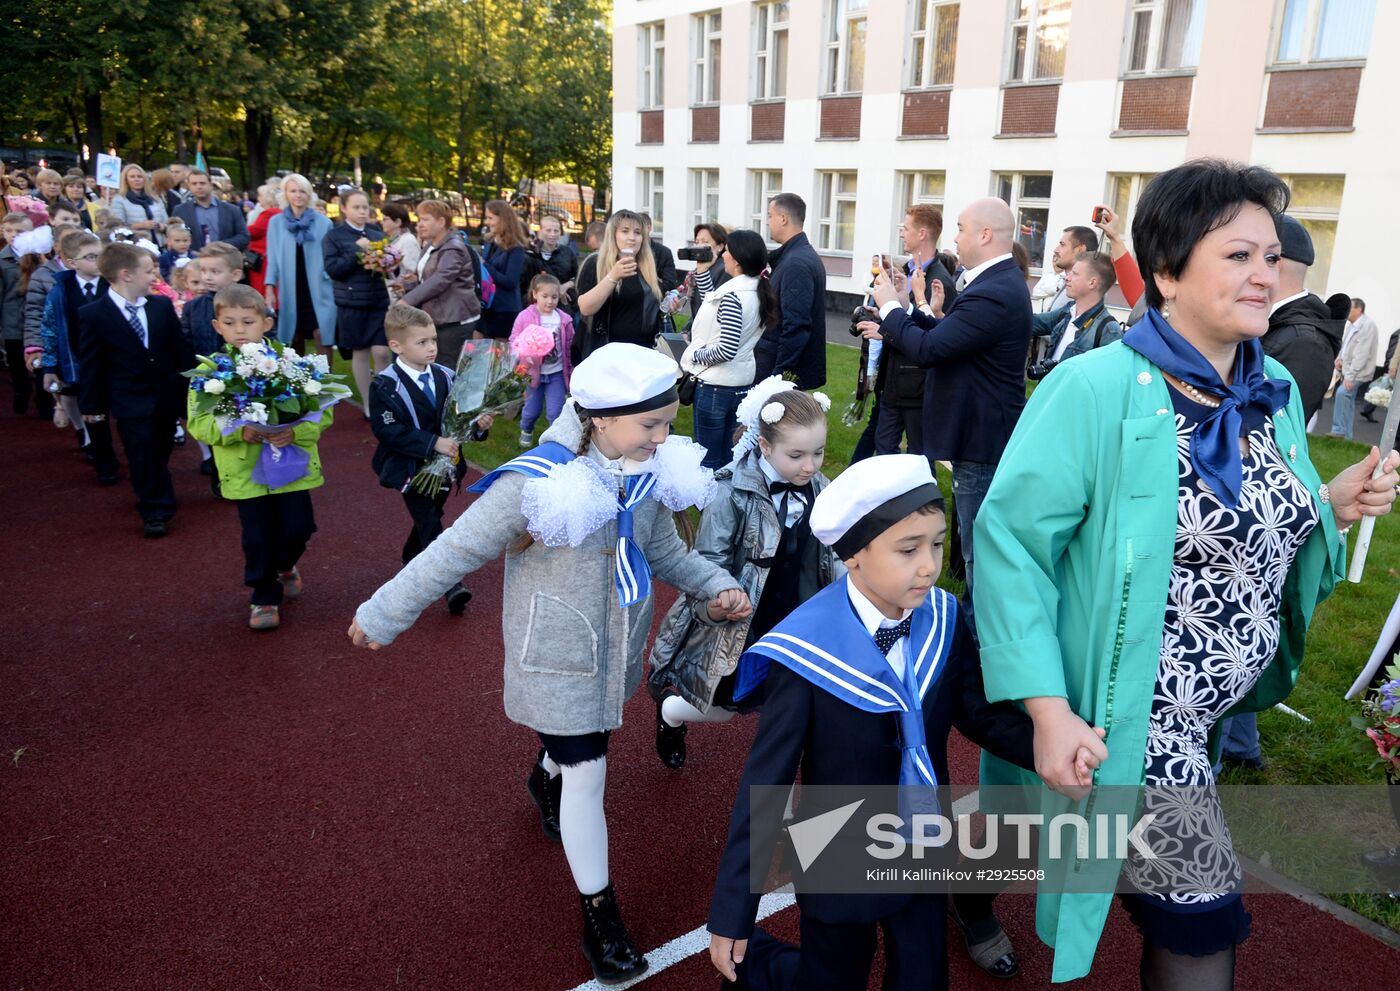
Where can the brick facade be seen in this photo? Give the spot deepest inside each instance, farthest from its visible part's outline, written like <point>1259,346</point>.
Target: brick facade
<point>653,127</point>
<point>1156,103</point>
<point>1312,98</point>
<point>925,114</point>
<point>840,117</point>
<point>704,125</point>
<point>767,121</point>
<point>1029,109</point>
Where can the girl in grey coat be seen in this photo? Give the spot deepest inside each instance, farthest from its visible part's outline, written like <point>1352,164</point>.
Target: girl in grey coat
<point>584,520</point>
<point>758,529</point>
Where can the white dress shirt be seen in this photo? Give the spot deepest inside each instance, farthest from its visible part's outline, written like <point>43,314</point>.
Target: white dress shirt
<point>874,620</point>
<point>1278,304</point>
<point>797,505</point>
<point>416,375</point>
<point>83,286</point>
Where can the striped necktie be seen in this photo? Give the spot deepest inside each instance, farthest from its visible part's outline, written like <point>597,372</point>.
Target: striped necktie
<point>133,317</point>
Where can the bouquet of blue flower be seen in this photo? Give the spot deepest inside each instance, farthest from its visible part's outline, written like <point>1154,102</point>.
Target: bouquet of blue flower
<point>1379,723</point>
<point>269,387</point>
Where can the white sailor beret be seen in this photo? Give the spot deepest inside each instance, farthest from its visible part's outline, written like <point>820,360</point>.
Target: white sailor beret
<point>618,379</point>
<point>869,497</point>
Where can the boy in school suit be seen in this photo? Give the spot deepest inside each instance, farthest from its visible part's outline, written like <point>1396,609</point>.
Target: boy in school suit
<point>405,412</point>
<point>131,354</point>
<point>904,644</point>
<point>220,266</point>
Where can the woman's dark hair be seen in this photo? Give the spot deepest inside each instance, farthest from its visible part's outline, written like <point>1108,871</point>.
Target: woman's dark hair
<point>1184,204</point>
<point>399,212</point>
<point>716,231</point>
<point>1022,258</point>
<point>751,253</point>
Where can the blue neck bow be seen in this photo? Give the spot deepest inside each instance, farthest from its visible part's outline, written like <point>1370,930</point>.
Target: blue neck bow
<point>1215,448</point>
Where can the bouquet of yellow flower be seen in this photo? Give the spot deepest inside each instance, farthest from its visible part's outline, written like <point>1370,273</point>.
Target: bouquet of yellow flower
<point>379,257</point>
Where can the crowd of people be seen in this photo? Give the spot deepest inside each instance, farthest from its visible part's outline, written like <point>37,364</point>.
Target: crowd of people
<point>1165,456</point>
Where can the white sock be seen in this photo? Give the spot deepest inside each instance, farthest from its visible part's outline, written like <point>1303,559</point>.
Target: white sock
<point>550,768</point>
<point>75,416</point>
<point>205,451</point>
<point>676,710</point>
<point>583,826</point>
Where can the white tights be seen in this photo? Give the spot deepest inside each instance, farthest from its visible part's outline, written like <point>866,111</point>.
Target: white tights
<point>583,826</point>
<point>676,710</point>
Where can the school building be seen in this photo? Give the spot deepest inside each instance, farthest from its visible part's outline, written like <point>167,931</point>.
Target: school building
<point>863,107</point>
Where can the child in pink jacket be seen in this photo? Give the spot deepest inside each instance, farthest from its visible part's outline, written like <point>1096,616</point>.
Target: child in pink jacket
<point>550,375</point>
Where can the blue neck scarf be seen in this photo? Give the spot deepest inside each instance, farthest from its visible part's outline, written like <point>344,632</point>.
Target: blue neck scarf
<point>1215,448</point>
<point>632,574</point>
<point>299,229</point>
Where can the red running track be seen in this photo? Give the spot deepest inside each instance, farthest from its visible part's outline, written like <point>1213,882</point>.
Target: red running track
<point>187,804</point>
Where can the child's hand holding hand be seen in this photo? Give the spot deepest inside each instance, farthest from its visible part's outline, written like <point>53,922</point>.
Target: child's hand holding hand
<point>730,605</point>
<point>251,436</point>
<point>447,446</point>
<point>358,638</point>
<point>282,438</point>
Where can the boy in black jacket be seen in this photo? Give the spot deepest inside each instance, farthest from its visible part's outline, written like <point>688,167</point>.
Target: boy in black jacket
<point>405,412</point>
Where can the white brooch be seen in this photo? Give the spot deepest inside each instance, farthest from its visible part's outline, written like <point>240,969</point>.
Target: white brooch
<point>823,400</point>
<point>387,416</point>
<point>772,413</point>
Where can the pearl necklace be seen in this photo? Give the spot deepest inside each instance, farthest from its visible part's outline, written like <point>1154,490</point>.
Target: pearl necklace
<point>1210,402</point>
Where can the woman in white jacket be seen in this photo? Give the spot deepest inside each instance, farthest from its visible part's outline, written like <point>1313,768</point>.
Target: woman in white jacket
<point>722,339</point>
<point>136,207</point>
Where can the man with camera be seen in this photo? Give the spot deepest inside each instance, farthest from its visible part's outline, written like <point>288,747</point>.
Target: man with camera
<point>1084,323</point>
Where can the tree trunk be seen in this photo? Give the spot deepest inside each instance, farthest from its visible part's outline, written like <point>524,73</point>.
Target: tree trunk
<point>92,111</point>
<point>182,147</point>
<point>257,135</point>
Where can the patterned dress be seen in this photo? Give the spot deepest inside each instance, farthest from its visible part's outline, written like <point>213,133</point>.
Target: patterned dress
<point>1222,631</point>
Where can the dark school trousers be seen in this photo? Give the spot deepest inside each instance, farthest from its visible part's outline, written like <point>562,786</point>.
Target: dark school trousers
<point>427,522</point>
<point>836,957</point>
<point>148,441</point>
<point>276,529</point>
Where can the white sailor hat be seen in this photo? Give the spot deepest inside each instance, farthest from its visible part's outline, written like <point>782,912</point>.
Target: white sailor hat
<point>618,379</point>
<point>869,497</point>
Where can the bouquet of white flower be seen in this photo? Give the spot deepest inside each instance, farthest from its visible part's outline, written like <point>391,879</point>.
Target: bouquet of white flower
<point>1380,392</point>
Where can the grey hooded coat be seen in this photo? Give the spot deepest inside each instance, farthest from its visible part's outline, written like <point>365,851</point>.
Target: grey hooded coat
<point>572,656</point>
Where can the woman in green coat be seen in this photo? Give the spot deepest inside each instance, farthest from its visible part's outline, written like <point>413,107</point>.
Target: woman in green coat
<point>1154,545</point>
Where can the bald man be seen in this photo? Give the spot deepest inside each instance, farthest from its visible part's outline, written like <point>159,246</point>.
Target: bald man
<point>976,356</point>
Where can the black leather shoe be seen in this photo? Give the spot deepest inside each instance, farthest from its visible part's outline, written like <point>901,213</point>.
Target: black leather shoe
<point>1368,417</point>
<point>544,792</point>
<point>457,599</point>
<point>670,740</point>
<point>606,942</point>
<point>155,528</point>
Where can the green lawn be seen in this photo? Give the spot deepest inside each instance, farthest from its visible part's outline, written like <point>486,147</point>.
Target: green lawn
<point>1342,634</point>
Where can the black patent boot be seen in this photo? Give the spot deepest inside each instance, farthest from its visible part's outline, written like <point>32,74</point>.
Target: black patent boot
<point>545,792</point>
<point>606,942</point>
<point>670,740</point>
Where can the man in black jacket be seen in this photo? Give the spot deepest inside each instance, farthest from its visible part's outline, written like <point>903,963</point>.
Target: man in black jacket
<point>1303,336</point>
<point>976,354</point>
<point>798,343</point>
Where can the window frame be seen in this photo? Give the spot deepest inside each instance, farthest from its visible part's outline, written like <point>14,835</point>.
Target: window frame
<point>651,193</point>
<point>765,78</point>
<point>651,65</point>
<point>919,73</point>
<point>1309,216</point>
<point>701,194</point>
<point>829,200</point>
<point>759,193</point>
<point>836,39</point>
<point>1312,24</point>
<point>1031,23</point>
<point>1019,202</point>
<point>1137,182</point>
<point>705,61</point>
<point>907,185</point>
<point>1156,9</point>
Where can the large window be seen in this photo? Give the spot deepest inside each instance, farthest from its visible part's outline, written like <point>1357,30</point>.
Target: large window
<point>1165,35</point>
<point>704,196</point>
<point>1124,190</point>
<point>933,44</point>
<point>844,46</point>
<point>652,59</point>
<point>770,51</point>
<point>1039,37</point>
<point>1028,195</point>
<point>836,223</point>
<point>915,188</point>
<point>704,29</point>
<point>1317,201</point>
<point>650,197</point>
<point>1317,30</point>
<point>764,184</point>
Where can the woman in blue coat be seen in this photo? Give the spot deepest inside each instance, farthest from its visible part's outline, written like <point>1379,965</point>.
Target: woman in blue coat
<point>296,272</point>
<point>504,258</point>
<point>1149,556</point>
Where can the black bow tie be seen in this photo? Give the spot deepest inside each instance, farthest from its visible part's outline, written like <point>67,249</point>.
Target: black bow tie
<point>804,489</point>
<point>885,637</point>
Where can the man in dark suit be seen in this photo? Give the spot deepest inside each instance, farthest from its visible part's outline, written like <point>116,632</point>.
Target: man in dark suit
<point>130,357</point>
<point>798,343</point>
<point>976,386</point>
<point>210,218</point>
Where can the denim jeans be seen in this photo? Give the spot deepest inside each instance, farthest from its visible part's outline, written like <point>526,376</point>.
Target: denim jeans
<point>1239,736</point>
<point>548,397</point>
<point>715,422</point>
<point>1344,409</point>
<point>971,479</point>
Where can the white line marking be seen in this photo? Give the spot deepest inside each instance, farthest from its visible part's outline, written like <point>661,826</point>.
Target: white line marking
<point>687,945</point>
